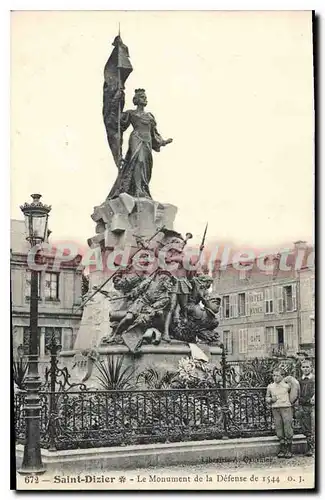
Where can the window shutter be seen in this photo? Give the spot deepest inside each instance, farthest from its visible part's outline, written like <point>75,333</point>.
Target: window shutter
<point>231,308</point>
<point>294,297</point>
<point>266,304</point>
<point>270,335</point>
<point>28,279</point>
<point>288,336</point>
<point>280,301</point>
<point>245,340</point>
<point>229,342</point>
<point>221,309</point>
<point>271,306</point>
<point>224,306</point>
<point>242,336</point>
<point>221,334</point>
<point>240,341</point>
<point>247,307</point>
<point>285,299</point>
<point>27,284</point>
<point>235,305</point>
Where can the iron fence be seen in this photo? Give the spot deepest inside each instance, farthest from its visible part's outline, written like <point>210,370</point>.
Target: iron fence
<point>73,416</point>
<point>84,419</point>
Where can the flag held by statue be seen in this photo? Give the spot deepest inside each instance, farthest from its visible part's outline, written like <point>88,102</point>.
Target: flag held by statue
<point>116,71</point>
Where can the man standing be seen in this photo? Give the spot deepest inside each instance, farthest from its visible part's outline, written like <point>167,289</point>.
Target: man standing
<point>306,410</point>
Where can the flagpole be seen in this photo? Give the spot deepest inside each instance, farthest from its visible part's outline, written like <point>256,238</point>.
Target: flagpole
<point>119,104</point>
<point>119,121</point>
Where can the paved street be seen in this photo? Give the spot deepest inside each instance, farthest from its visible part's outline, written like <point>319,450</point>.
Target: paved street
<point>267,473</point>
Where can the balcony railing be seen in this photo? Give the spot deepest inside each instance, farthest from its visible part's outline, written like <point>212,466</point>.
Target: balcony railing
<point>280,350</point>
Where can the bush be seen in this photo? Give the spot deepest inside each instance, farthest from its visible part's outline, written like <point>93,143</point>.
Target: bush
<point>259,372</point>
<point>113,376</point>
<point>19,372</point>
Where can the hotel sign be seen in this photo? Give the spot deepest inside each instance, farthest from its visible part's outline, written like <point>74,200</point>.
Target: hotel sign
<point>256,302</point>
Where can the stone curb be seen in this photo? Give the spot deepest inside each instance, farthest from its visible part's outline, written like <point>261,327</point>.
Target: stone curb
<point>162,454</point>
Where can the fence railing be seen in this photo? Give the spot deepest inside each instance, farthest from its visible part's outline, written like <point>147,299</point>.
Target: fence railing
<point>83,419</point>
<point>72,416</point>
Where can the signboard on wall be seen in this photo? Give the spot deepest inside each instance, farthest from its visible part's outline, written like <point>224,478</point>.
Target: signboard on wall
<point>256,341</point>
<point>256,302</point>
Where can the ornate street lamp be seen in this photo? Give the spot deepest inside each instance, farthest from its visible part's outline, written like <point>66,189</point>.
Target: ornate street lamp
<point>36,218</point>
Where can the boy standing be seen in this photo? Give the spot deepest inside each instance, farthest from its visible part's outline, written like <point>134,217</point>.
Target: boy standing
<point>277,395</point>
<point>305,413</point>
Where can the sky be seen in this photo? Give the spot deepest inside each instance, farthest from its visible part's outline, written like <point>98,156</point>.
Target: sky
<point>233,89</point>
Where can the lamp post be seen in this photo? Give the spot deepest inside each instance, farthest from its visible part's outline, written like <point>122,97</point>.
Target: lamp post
<point>36,218</point>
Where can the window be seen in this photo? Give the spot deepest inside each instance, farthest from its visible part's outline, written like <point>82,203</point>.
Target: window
<point>287,298</point>
<point>49,331</point>
<point>26,335</point>
<point>67,340</point>
<point>226,306</point>
<point>51,286</point>
<point>242,339</point>
<point>269,301</point>
<point>290,300</point>
<point>242,304</point>
<point>276,338</point>
<point>243,274</point>
<point>28,284</point>
<point>227,341</point>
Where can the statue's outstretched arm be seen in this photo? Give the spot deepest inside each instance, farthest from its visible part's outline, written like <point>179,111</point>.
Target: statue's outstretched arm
<point>157,140</point>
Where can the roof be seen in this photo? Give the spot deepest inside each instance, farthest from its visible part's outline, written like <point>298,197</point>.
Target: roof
<point>295,259</point>
<point>18,242</point>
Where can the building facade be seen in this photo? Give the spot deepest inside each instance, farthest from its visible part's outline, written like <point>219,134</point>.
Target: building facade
<point>267,309</point>
<point>59,296</point>
<point>307,307</point>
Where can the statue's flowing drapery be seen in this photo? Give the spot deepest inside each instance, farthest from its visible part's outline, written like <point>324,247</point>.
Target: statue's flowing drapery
<point>135,174</point>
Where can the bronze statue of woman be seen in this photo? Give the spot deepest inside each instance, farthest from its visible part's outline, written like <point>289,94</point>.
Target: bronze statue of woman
<point>135,172</point>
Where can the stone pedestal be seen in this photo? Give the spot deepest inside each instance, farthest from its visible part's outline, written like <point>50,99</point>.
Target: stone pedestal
<point>121,225</point>
<point>121,221</point>
<point>163,357</point>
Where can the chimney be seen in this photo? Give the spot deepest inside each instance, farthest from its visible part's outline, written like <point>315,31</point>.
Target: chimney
<point>300,245</point>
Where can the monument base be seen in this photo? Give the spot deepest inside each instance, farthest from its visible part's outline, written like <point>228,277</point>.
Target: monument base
<point>163,357</point>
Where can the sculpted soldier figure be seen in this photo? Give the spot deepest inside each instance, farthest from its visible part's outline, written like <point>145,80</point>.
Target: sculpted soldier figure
<point>147,303</point>
<point>174,259</point>
<point>202,317</point>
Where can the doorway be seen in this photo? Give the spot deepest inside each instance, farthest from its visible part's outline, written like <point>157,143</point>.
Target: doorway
<point>280,335</point>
